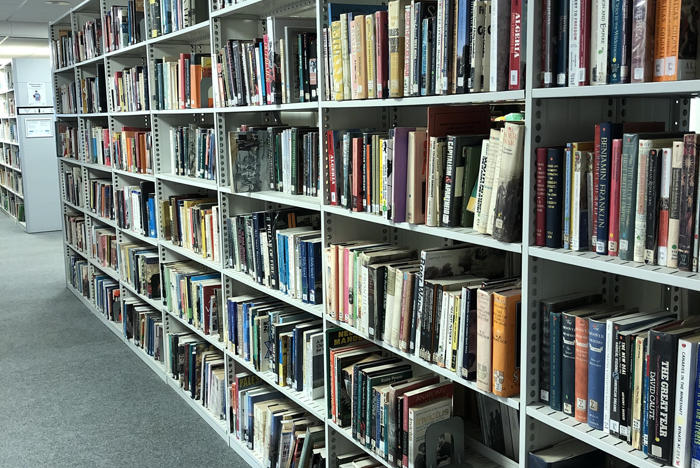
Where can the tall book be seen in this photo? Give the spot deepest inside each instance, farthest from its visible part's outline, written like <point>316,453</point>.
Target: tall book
<point>628,192</point>
<point>686,375</point>
<point>687,212</point>
<point>664,206</point>
<point>608,132</point>
<point>674,207</point>
<point>505,365</point>
<point>553,210</point>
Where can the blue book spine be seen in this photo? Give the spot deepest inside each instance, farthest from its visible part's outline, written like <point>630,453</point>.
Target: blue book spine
<point>315,274</point>
<point>562,58</point>
<point>424,71</point>
<point>695,449</point>
<point>261,57</point>
<point>246,335</point>
<point>596,373</point>
<point>152,230</point>
<point>304,272</point>
<point>463,37</point>
<point>601,245</point>
<point>280,263</point>
<point>645,409</point>
<point>285,246</point>
<point>555,365</point>
<point>231,324</point>
<point>568,160</point>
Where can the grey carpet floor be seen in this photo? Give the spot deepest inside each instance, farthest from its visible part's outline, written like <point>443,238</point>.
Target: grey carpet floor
<point>71,393</point>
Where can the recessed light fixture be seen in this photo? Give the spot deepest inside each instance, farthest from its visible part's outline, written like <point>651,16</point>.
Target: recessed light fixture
<point>57,2</point>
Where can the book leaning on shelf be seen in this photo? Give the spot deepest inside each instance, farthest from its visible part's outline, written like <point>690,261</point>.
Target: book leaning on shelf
<point>128,90</point>
<point>167,16</point>
<point>107,297</point>
<point>470,178</point>
<point>423,48</point>
<point>79,271</point>
<point>136,209</point>
<point>279,68</point>
<point>104,246</point>
<point>448,306</point>
<point>600,42</point>
<point>625,194</point>
<point>277,338</point>
<point>125,25</point>
<point>183,82</point>
<point>279,249</point>
<point>280,158</point>
<point>277,431</point>
<point>132,150</point>
<point>62,50</point>
<point>101,197</point>
<point>10,154</point>
<point>144,327</point>
<point>87,40</point>
<point>200,370</point>
<point>628,373</point>
<point>192,222</point>
<point>97,144</point>
<point>72,185</point>
<point>67,99</point>
<point>75,231</point>
<point>92,92</point>
<point>140,269</point>
<point>192,152</point>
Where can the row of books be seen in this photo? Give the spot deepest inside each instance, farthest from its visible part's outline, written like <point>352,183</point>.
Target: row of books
<point>277,338</point>
<point>107,297</point>
<point>9,155</point>
<point>452,173</point>
<point>11,179</point>
<point>194,295</point>
<point>630,374</point>
<point>281,158</point>
<point>277,431</point>
<point>423,48</point>
<point>73,184</point>
<point>599,42</point>
<point>167,16</point>
<point>136,209</point>
<point>631,195</point>
<point>67,99</point>
<point>376,396</point>
<point>62,50</point>
<point>449,306</point>
<point>125,25</point>
<point>87,40</point>
<point>8,130</point>
<point>143,326</point>
<point>280,249</point>
<point>192,222</point>
<point>183,82</point>
<point>93,98</point>
<point>75,231</point>
<point>128,90</point>
<point>133,150</point>
<point>101,197</point>
<point>67,140</point>
<point>140,269</point>
<point>279,68</point>
<point>104,246</point>
<point>97,143</point>
<point>79,274</point>
<point>200,370</point>
<point>192,151</point>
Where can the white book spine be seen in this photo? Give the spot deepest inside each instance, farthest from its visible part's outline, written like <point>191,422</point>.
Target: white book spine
<point>674,214</point>
<point>430,210</point>
<point>685,386</point>
<point>439,357</point>
<point>665,193</point>
<point>494,150</point>
<point>396,315</point>
<point>640,218</point>
<point>608,377</point>
<point>576,201</point>
<point>494,187</point>
<point>437,61</point>
<point>480,180</point>
<point>599,41</point>
<point>574,38</point>
<point>362,313</point>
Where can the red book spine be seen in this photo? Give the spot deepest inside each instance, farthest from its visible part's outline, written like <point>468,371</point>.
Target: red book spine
<point>269,72</point>
<point>614,220</point>
<point>540,196</point>
<point>357,174</point>
<point>581,370</point>
<point>382,53</point>
<point>409,401</point>
<point>515,78</point>
<point>181,81</point>
<point>105,147</point>
<point>584,48</point>
<point>332,182</point>
<point>596,158</point>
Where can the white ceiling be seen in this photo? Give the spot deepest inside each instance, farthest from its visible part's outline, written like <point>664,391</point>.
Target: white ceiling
<point>36,11</point>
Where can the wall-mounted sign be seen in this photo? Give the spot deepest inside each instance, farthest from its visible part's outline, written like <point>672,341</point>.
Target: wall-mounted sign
<point>38,127</point>
<point>37,94</point>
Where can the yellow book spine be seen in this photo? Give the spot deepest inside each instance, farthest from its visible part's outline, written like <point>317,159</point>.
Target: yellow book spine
<point>371,57</point>
<point>337,54</point>
<point>396,48</point>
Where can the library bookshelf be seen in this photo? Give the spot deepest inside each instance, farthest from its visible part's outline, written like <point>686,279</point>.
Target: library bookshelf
<point>551,116</point>
<point>28,191</point>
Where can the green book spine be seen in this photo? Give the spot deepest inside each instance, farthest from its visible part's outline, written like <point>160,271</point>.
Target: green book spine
<point>628,194</point>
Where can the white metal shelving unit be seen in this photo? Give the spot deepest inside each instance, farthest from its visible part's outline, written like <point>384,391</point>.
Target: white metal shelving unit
<point>553,116</point>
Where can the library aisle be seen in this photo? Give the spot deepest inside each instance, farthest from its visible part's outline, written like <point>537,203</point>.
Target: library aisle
<point>72,394</point>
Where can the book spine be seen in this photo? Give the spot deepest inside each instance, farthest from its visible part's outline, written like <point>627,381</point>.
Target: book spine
<point>568,162</point>
<point>562,42</point>
<point>602,226</point>
<point>383,53</point>
<point>555,369</point>
<point>540,196</point>
<point>371,58</point>
<point>686,376</point>
<point>614,223</point>
<point>505,380</point>
<point>584,51</point>
<point>662,381</point>
<point>694,417</point>
<point>553,218</point>
<point>408,42</point>
<point>581,370</point>
<point>685,235</point>
<point>568,363</point>
<point>616,40</point>
<point>517,33</point>
<point>664,206</point>
<point>548,46</point>
<point>628,191</point>
<point>652,205</point>
<point>642,40</point>
<point>640,220</point>
<point>599,38</point>
<point>596,370</point>
<point>674,211</point>
<point>483,340</point>
<point>661,39</point>
<point>574,41</point>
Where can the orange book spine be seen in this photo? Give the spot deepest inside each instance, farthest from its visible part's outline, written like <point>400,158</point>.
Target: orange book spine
<point>660,38</point>
<point>195,88</point>
<point>673,29</point>
<point>581,370</point>
<point>505,369</point>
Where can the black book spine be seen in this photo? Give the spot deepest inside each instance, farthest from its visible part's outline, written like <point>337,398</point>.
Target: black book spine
<point>548,45</point>
<point>662,383</point>
<point>449,215</point>
<point>468,370</point>
<point>435,333</point>
<point>553,213</point>
<point>426,322</point>
<point>568,363</point>
<point>380,309</point>
<point>562,42</point>
<point>685,235</point>
<point>615,387</point>
<point>652,206</point>
<point>623,385</point>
